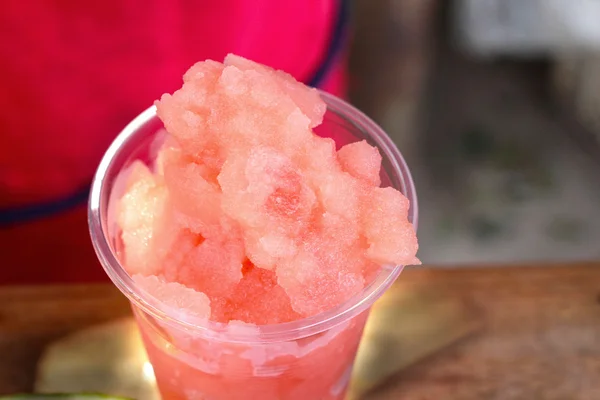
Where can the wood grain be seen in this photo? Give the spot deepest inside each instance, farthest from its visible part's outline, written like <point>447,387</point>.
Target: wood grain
<point>31,317</point>
<point>408,323</point>
<point>540,335</point>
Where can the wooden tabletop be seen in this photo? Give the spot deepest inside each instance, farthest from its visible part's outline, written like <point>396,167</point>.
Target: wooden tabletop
<point>537,334</point>
<point>540,338</point>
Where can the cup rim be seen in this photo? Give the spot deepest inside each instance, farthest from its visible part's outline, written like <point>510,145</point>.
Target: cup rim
<point>241,333</point>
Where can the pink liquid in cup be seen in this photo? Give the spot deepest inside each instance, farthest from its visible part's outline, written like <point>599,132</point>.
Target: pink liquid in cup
<point>250,243</point>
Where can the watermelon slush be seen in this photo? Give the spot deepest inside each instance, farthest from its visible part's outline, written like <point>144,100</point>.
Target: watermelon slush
<point>250,243</point>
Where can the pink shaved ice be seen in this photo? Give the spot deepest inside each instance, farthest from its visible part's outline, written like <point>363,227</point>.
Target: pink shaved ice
<point>362,161</point>
<point>319,277</point>
<point>213,266</point>
<point>389,234</point>
<point>194,192</point>
<point>143,218</point>
<point>307,99</point>
<point>175,295</point>
<point>257,299</point>
<point>249,215</point>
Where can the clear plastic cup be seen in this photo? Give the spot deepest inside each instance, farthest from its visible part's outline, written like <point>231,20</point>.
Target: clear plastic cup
<point>308,359</point>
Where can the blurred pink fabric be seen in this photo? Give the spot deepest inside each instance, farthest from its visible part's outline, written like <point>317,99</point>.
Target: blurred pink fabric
<point>74,73</point>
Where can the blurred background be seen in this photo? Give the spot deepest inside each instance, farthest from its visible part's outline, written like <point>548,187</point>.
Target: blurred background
<point>495,104</point>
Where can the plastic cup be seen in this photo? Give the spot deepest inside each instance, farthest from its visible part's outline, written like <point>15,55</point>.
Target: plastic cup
<point>308,359</point>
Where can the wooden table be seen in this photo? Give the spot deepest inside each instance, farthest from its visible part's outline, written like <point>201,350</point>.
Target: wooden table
<point>538,337</point>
